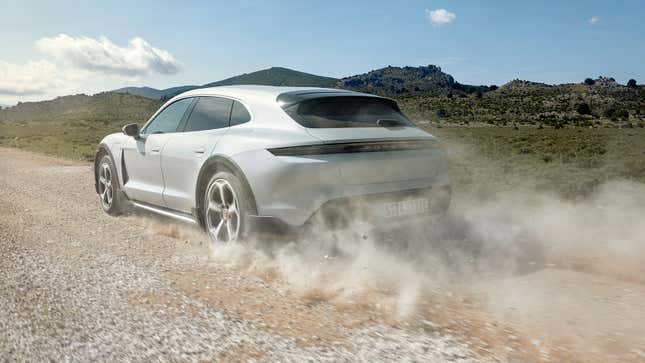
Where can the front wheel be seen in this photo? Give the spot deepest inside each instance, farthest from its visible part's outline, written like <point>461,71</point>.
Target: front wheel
<point>226,209</point>
<point>108,186</point>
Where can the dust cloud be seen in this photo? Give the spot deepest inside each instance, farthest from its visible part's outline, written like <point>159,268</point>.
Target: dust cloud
<point>501,235</point>
<point>566,277</point>
<point>540,263</point>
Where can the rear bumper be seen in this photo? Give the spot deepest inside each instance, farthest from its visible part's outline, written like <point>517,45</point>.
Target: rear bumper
<point>293,189</point>
<point>340,213</point>
<point>372,208</point>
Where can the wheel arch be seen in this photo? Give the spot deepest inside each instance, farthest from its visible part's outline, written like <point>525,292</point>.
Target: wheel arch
<point>102,150</point>
<point>213,165</point>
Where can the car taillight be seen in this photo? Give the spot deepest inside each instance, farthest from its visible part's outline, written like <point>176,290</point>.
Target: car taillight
<point>353,147</point>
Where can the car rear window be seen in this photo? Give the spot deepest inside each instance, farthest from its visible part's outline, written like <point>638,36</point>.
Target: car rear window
<point>347,111</point>
<point>209,113</point>
<point>239,114</point>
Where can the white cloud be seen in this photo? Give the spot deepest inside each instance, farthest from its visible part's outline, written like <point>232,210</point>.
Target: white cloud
<point>594,20</point>
<point>33,78</point>
<point>139,58</point>
<point>440,17</point>
<point>81,64</point>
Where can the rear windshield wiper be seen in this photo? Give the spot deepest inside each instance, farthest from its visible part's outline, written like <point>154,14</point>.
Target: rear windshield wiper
<point>388,122</point>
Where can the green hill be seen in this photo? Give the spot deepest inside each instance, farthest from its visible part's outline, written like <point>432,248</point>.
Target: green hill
<point>154,93</point>
<point>274,76</point>
<point>426,94</point>
<point>605,103</point>
<point>406,81</point>
<point>71,126</point>
<point>102,107</point>
<point>277,76</point>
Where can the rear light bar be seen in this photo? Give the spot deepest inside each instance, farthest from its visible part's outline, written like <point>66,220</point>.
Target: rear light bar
<point>353,147</point>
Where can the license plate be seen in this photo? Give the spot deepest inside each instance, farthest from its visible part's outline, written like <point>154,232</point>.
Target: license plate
<point>407,207</point>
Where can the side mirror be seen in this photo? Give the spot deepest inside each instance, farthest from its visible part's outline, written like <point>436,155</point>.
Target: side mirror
<point>131,130</point>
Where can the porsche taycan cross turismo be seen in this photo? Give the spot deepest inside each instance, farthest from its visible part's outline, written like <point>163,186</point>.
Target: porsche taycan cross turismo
<point>227,157</point>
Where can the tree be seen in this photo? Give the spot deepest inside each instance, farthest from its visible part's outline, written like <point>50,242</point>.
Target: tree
<point>493,87</point>
<point>610,112</point>
<point>589,82</point>
<point>631,83</point>
<point>583,109</point>
<point>624,114</point>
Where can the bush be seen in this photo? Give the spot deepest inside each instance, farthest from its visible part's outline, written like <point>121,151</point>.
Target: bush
<point>631,83</point>
<point>624,114</point>
<point>441,113</point>
<point>583,109</point>
<point>589,82</point>
<point>610,112</point>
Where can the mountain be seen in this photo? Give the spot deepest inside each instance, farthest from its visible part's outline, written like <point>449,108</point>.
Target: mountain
<point>101,107</point>
<point>277,76</point>
<point>602,103</point>
<point>274,76</point>
<point>425,94</point>
<point>406,81</point>
<point>154,93</point>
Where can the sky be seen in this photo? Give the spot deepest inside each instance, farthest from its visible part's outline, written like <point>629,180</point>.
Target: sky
<point>53,48</point>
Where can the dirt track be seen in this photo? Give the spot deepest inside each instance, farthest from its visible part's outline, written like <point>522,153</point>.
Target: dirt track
<point>76,284</point>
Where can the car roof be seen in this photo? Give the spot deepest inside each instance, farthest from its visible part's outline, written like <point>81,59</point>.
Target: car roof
<point>268,93</point>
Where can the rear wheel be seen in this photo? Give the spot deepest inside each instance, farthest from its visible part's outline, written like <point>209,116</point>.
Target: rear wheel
<point>226,209</point>
<point>108,186</point>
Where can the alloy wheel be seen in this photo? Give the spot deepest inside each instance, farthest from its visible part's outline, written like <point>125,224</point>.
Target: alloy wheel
<point>222,212</point>
<point>105,185</point>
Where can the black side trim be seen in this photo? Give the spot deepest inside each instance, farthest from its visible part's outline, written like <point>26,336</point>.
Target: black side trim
<point>354,147</point>
<point>187,113</point>
<point>125,171</point>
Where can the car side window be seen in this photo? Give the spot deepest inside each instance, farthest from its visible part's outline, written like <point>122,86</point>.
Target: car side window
<point>168,119</point>
<point>209,113</point>
<point>239,114</point>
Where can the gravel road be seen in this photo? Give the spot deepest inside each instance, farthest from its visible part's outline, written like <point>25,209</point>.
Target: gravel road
<point>78,285</point>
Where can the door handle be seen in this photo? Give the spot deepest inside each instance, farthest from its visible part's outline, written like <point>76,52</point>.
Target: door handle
<point>155,150</point>
<point>201,150</point>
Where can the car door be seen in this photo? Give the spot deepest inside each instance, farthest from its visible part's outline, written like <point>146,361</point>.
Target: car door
<point>143,180</point>
<point>185,152</point>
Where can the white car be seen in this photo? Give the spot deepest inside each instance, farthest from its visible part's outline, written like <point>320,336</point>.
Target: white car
<point>226,157</point>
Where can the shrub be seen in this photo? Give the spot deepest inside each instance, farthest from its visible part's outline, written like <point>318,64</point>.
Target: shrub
<point>631,83</point>
<point>441,113</point>
<point>589,82</point>
<point>624,114</point>
<point>583,109</point>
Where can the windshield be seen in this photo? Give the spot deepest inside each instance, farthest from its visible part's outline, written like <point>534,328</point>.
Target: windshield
<point>350,111</point>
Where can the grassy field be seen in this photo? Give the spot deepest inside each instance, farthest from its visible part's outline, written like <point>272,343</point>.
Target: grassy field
<point>570,161</point>
<point>71,139</point>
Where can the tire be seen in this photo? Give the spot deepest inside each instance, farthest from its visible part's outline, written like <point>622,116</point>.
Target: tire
<point>227,219</point>
<point>108,187</point>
